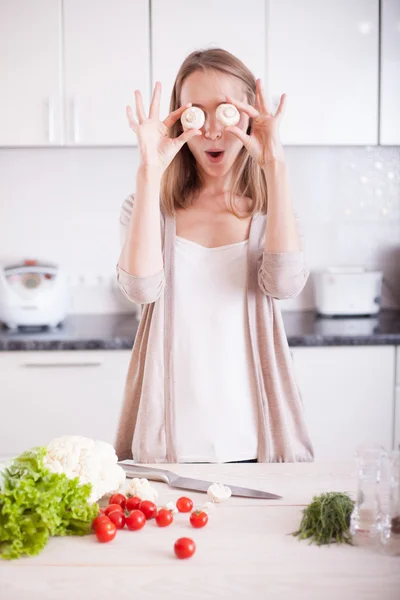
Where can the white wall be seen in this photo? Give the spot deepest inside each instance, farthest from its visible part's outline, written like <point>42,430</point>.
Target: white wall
<point>63,205</point>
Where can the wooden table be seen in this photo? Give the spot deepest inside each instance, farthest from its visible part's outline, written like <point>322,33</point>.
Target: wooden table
<point>245,552</point>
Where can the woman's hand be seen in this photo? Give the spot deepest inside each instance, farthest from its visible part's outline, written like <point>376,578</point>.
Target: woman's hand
<point>156,146</point>
<point>263,144</point>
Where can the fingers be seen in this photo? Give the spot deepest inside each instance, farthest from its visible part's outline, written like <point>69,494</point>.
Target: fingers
<point>243,137</point>
<point>175,115</point>
<point>155,102</point>
<point>260,96</point>
<point>257,104</point>
<point>244,107</point>
<point>132,123</point>
<point>141,115</point>
<point>187,135</point>
<point>282,106</point>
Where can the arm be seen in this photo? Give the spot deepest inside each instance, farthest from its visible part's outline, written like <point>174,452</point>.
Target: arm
<point>141,288</point>
<point>141,253</point>
<point>140,269</point>
<point>283,272</point>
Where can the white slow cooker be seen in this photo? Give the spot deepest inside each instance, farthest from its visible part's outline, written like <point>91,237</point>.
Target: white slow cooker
<point>348,291</point>
<point>32,293</point>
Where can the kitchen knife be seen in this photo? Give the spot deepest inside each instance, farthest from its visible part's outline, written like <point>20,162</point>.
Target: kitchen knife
<point>187,483</point>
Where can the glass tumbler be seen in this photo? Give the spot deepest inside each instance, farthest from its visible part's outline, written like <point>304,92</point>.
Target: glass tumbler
<point>390,533</point>
<point>366,518</point>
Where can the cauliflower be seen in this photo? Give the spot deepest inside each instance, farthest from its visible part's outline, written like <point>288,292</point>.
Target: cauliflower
<point>142,489</point>
<point>92,461</point>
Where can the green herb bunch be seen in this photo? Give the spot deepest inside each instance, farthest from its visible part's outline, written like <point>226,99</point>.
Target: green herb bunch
<point>36,504</point>
<point>327,519</point>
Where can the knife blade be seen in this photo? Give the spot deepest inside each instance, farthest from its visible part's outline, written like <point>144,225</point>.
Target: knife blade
<point>188,483</point>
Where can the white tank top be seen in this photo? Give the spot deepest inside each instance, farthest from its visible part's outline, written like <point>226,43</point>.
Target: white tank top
<point>215,394</point>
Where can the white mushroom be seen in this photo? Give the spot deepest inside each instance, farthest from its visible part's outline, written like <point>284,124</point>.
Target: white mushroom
<point>218,492</point>
<point>227,114</point>
<point>192,118</point>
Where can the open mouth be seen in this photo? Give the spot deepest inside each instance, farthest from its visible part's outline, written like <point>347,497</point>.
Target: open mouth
<point>215,157</point>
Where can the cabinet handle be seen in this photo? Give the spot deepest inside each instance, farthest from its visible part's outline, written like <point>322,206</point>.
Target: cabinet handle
<point>75,121</point>
<point>51,119</point>
<point>61,364</point>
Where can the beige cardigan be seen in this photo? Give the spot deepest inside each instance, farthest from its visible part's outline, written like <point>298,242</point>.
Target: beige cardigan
<point>146,429</point>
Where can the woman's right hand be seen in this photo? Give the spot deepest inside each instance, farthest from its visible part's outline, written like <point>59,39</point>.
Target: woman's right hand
<point>156,146</point>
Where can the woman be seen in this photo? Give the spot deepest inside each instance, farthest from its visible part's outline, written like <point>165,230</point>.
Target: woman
<point>206,252</point>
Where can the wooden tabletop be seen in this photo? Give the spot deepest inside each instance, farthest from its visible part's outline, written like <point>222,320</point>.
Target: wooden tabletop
<point>245,552</point>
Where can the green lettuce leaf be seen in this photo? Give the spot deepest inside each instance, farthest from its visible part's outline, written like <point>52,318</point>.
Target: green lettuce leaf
<point>36,504</point>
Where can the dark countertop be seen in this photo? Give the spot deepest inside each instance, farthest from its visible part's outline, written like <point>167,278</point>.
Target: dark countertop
<point>117,332</point>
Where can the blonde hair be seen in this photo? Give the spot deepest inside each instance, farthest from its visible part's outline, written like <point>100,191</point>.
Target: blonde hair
<point>181,180</point>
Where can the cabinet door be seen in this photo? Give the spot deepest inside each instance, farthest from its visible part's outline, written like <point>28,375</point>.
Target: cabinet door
<point>397,403</point>
<point>49,394</point>
<point>106,45</point>
<point>181,26</point>
<point>324,55</point>
<point>390,73</point>
<point>348,397</point>
<point>30,76</point>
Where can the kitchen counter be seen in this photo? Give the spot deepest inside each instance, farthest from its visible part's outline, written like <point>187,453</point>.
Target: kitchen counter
<point>117,332</point>
<point>245,551</point>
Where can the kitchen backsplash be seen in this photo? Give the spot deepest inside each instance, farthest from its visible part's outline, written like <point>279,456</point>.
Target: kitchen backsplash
<point>63,205</point>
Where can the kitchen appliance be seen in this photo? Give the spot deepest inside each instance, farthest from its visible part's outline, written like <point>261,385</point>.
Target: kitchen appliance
<point>187,483</point>
<point>347,291</point>
<point>32,293</point>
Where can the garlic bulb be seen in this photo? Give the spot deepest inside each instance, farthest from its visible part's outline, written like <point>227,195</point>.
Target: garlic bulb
<point>192,118</point>
<point>208,507</point>
<point>227,114</point>
<point>170,506</point>
<point>218,492</point>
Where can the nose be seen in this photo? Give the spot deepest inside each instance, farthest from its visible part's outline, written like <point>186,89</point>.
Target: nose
<point>212,128</point>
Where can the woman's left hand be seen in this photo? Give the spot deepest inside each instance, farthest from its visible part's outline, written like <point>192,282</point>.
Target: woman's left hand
<point>263,144</point>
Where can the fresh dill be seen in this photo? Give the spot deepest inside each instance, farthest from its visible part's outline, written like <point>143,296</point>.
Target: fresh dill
<point>327,519</point>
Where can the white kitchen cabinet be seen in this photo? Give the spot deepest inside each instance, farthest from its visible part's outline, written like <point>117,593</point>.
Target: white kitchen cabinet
<point>30,73</point>
<point>347,393</point>
<point>397,402</point>
<point>181,26</point>
<point>49,394</point>
<point>324,55</point>
<point>106,57</point>
<point>390,73</point>
<point>69,68</point>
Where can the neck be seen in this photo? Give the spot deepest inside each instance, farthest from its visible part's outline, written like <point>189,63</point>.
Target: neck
<point>217,187</point>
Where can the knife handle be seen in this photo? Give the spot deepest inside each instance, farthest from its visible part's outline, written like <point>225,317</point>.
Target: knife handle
<point>132,471</point>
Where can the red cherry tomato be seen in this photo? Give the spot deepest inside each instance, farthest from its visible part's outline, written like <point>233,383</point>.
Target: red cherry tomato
<point>149,509</point>
<point>135,520</point>
<point>111,507</point>
<point>184,504</point>
<point>117,518</point>
<point>98,520</point>
<point>184,548</point>
<point>118,499</point>
<point>198,519</point>
<point>105,532</point>
<point>164,517</point>
<point>133,503</point>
